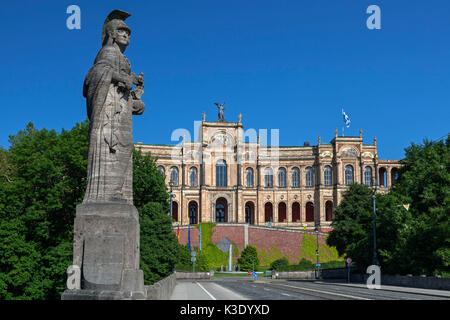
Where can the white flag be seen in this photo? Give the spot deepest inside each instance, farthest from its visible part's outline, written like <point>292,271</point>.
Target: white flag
<point>346,119</point>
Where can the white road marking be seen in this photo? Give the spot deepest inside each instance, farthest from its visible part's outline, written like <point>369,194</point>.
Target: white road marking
<point>327,292</point>
<point>209,294</point>
<point>285,294</point>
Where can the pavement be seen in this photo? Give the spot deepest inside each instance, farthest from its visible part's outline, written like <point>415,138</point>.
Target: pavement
<point>212,290</point>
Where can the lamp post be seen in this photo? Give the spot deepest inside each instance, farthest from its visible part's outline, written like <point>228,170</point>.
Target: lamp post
<point>375,260</point>
<point>317,252</point>
<point>171,196</point>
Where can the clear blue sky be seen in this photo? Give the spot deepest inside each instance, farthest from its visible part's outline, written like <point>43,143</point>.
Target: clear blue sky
<point>287,65</point>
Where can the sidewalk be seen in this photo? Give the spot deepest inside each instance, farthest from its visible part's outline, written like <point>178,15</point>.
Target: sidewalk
<point>432,292</point>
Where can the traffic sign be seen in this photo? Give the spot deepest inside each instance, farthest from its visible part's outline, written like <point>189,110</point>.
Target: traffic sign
<point>254,274</point>
<point>349,260</point>
<point>318,265</point>
<point>249,273</point>
<point>193,253</point>
<point>193,259</point>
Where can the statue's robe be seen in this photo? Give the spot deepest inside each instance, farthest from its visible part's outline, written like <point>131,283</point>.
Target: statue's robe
<point>110,109</point>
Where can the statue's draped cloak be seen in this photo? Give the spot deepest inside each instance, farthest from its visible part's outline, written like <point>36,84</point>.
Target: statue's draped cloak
<point>110,139</point>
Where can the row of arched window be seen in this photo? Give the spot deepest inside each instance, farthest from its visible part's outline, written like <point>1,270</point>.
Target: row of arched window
<point>221,214</point>
<point>221,176</point>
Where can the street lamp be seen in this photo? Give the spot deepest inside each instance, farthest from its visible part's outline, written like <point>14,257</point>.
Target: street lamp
<point>317,252</point>
<point>171,196</point>
<point>375,260</point>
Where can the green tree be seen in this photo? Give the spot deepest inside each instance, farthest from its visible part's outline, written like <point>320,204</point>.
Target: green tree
<point>159,245</point>
<point>352,225</point>
<point>249,261</point>
<point>281,264</point>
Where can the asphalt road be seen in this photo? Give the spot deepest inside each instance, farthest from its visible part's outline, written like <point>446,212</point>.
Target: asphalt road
<point>245,289</point>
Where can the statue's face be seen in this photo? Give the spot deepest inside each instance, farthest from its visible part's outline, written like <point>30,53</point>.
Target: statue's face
<point>122,37</point>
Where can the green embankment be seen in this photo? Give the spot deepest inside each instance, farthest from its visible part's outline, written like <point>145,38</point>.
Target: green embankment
<point>212,258</point>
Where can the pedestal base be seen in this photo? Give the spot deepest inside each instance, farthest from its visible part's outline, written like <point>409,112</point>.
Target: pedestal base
<point>106,248</point>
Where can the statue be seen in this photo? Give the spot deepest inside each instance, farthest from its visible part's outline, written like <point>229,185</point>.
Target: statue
<point>106,228</point>
<point>110,104</point>
<point>220,117</point>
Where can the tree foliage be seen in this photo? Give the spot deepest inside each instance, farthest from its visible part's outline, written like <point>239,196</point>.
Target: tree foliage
<point>412,241</point>
<point>248,260</point>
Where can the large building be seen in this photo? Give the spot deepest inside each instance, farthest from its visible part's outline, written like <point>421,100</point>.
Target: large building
<point>229,176</point>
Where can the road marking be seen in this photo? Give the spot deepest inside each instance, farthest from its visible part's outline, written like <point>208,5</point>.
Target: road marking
<point>327,292</point>
<point>209,294</point>
<point>285,294</point>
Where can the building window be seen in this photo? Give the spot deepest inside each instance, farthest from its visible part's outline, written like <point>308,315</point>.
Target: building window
<point>348,174</point>
<point>282,177</point>
<point>309,212</point>
<point>174,176</point>
<point>329,210</point>
<point>193,212</point>
<point>249,177</point>
<point>163,172</point>
<point>368,176</point>
<point>193,177</point>
<point>296,212</point>
<point>174,211</point>
<point>295,177</point>
<point>309,177</point>
<point>268,212</point>
<point>268,177</point>
<point>221,173</point>
<point>327,176</point>
<point>249,209</point>
<point>221,210</point>
<point>282,212</point>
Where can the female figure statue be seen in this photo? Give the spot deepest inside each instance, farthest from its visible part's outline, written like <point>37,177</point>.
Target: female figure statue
<point>110,104</point>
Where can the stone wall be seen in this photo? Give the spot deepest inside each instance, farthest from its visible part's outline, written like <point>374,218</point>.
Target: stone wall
<point>162,290</point>
<point>408,281</point>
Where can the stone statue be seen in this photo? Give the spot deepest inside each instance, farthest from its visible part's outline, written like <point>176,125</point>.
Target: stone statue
<point>110,104</point>
<point>106,228</point>
<point>220,117</point>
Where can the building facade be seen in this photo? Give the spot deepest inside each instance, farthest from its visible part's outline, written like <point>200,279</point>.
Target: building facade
<point>229,176</point>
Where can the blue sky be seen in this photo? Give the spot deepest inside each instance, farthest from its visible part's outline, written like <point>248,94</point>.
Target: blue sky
<point>287,65</point>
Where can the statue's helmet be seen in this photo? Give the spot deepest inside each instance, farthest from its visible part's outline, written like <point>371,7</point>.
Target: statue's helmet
<point>114,21</point>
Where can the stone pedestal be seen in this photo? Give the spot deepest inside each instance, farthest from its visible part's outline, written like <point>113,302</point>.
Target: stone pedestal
<point>106,248</point>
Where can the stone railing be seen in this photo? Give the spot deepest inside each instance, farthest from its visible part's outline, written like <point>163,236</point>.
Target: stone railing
<point>309,274</point>
<point>180,275</point>
<point>162,290</point>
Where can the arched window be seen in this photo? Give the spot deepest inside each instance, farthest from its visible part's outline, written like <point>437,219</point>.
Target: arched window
<point>193,212</point>
<point>348,174</point>
<point>249,212</point>
<point>295,177</point>
<point>329,210</point>
<point>221,173</point>
<point>174,211</point>
<point>221,210</point>
<point>296,212</point>
<point>268,212</point>
<point>193,178</point>
<point>282,212</point>
<point>309,177</point>
<point>309,212</point>
<point>249,177</point>
<point>327,176</point>
<point>163,172</point>
<point>282,177</point>
<point>174,176</point>
<point>368,176</point>
<point>268,177</point>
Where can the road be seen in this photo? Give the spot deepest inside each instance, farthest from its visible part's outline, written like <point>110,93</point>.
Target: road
<point>245,289</point>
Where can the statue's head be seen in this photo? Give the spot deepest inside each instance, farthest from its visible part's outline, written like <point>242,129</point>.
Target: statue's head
<point>115,30</point>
